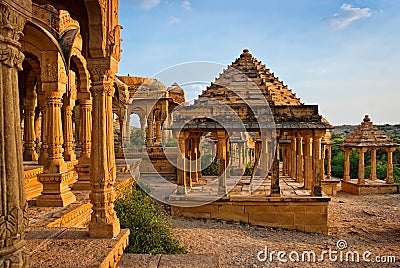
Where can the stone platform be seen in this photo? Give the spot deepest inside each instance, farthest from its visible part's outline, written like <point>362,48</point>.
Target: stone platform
<point>370,187</point>
<point>295,209</point>
<point>62,247</point>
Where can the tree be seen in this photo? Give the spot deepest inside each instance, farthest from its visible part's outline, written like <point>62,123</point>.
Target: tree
<point>136,138</point>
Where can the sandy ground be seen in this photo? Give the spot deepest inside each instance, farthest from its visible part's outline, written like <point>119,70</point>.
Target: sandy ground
<point>365,223</point>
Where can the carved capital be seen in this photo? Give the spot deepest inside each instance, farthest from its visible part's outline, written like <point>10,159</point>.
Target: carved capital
<point>12,22</point>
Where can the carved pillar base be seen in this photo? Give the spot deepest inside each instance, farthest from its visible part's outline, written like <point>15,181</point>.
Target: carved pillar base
<point>104,230</point>
<point>18,258</point>
<point>83,182</point>
<point>69,156</point>
<point>56,192</point>
<point>30,155</point>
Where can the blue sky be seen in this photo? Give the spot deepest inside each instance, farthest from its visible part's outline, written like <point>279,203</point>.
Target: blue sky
<point>342,55</point>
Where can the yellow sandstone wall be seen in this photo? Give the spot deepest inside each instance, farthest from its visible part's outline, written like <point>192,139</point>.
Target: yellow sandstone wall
<point>306,216</point>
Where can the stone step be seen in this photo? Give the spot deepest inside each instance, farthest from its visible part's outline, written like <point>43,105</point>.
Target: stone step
<point>169,261</point>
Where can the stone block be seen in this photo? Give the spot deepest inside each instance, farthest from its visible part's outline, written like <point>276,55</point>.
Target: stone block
<point>56,192</point>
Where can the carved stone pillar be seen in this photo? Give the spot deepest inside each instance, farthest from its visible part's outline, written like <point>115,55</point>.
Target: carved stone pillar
<point>317,164</point>
<point>323,160</point>
<point>29,131</point>
<point>83,167</point>
<point>264,157</point>
<point>13,208</point>
<point>294,157</point>
<point>36,128</point>
<point>299,160</point>
<point>44,155</point>
<point>389,168</point>
<point>56,177</point>
<point>361,167</point>
<point>222,161</point>
<point>373,165</point>
<point>85,130</point>
<point>158,132</point>
<point>329,162</point>
<point>77,121</point>
<point>55,140</point>
<point>346,176</point>
<point>150,131</point>
<point>308,163</point>
<point>182,179</point>
<point>275,188</point>
<point>104,222</point>
<point>69,154</point>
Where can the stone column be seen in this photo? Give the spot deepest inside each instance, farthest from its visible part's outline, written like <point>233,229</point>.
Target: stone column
<point>222,159</point>
<point>323,160</point>
<point>123,130</point>
<point>294,157</point>
<point>329,164</point>
<point>299,160</point>
<point>317,165</point>
<point>240,155</point>
<point>150,130</point>
<point>29,131</point>
<point>36,128</point>
<point>361,167</point>
<point>373,164</point>
<point>69,154</point>
<point>44,155</point>
<point>389,168</point>
<point>264,157</point>
<point>346,176</point>
<point>85,130</point>
<point>85,133</point>
<point>275,188</point>
<point>197,157</point>
<point>104,222</point>
<point>56,177</point>
<point>158,132</point>
<point>13,208</point>
<point>55,140</point>
<point>289,160</point>
<point>308,163</point>
<point>77,121</point>
<point>182,179</point>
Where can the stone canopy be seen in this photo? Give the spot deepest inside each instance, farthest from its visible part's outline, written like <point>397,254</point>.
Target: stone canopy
<point>368,135</point>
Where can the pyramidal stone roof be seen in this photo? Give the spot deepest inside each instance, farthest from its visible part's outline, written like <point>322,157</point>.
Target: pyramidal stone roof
<point>236,78</point>
<point>248,91</point>
<point>368,135</point>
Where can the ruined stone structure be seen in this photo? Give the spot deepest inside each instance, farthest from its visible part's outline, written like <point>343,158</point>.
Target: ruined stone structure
<point>368,137</point>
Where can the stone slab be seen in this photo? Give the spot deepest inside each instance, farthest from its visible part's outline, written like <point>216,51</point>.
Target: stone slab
<point>61,247</point>
<point>169,261</point>
<point>370,187</point>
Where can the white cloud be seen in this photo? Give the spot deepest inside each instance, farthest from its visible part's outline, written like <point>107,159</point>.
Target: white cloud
<point>146,4</point>
<point>174,20</point>
<point>348,14</point>
<point>186,5</point>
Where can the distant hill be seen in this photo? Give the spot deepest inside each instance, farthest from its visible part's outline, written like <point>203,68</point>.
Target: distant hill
<point>345,130</point>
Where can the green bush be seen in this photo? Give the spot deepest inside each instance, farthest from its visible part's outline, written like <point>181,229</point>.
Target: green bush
<point>171,142</point>
<point>249,169</point>
<point>150,231</point>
